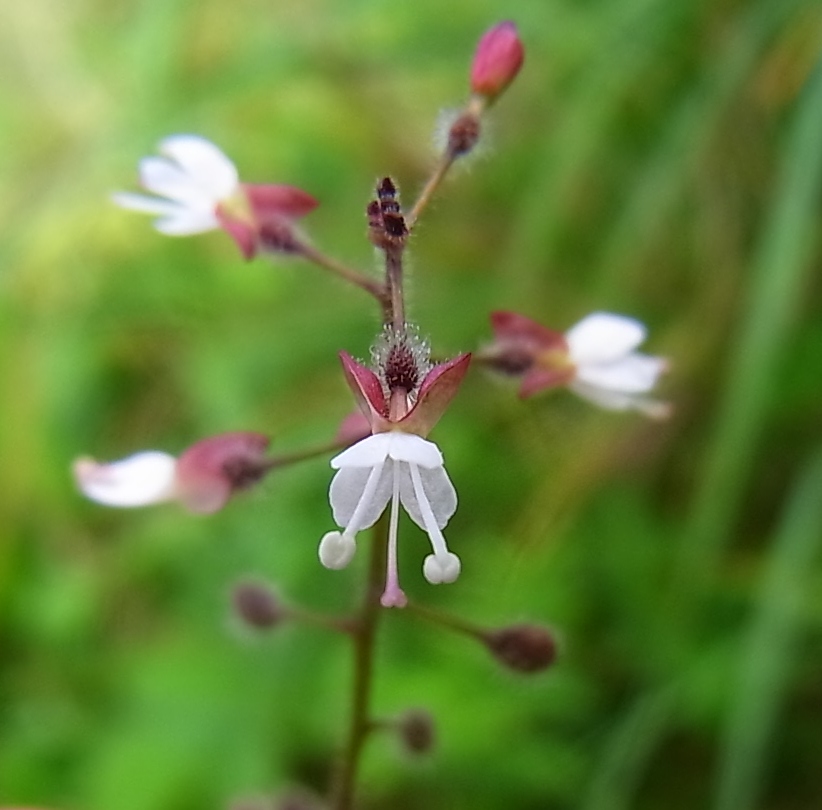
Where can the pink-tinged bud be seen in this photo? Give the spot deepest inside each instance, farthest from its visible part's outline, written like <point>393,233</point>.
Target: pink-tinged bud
<point>497,60</point>
<point>258,605</point>
<point>211,470</point>
<point>352,429</point>
<point>523,647</point>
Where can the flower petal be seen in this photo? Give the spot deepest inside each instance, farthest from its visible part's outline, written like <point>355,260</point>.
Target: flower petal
<point>186,223</point>
<point>437,486</point>
<point>602,336</point>
<point>633,374</point>
<point>146,204</point>
<point>367,452</point>
<point>348,489</point>
<point>413,448</point>
<point>163,177</point>
<point>620,401</point>
<point>139,480</point>
<point>204,163</point>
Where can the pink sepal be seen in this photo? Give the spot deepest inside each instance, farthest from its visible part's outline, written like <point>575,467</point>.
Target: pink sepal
<point>242,233</point>
<point>436,392</point>
<point>211,470</point>
<point>367,389</point>
<point>516,328</point>
<point>269,201</point>
<point>539,379</point>
<point>353,428</point>
<point>497,60</point>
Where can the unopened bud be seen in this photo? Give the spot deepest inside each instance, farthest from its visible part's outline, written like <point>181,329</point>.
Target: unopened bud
<point>416,730</point>
<point>523,647</point>
<point>257,605</point>
<point>497,60</point>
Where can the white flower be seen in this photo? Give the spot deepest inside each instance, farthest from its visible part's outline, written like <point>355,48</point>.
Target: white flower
<point>400,468</point>
<point>202,479</point>
<point>191,180</point>
<point>608,371</point>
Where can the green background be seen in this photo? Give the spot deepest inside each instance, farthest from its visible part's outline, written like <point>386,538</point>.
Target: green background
<point>658,158</point>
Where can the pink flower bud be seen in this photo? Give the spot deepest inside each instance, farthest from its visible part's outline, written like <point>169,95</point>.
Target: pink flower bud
<point>497,60</point>
<point>257,605</point>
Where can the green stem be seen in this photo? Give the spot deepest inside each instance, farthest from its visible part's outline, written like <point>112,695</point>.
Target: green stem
<point>364,637</point>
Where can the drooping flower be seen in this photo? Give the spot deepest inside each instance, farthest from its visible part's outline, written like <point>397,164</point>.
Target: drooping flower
<point>403,401</point>
<point>595,358</point>
<point>198,189</point>
<point>202,479</point>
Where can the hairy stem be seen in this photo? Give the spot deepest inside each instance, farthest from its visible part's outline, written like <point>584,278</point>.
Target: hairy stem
<point>364,637</point>
<point>430,188</point>
<point>394,281</point>
<point>374,288</point>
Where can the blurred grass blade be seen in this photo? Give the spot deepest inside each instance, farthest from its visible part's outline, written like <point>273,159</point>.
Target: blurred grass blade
<point>633,742</point>
<point>770,648</point>
<point>779,266</point>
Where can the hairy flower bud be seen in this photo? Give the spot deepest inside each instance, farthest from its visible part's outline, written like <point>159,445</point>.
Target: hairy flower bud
<point>497,60</point>
<point>523,647</point>
<point>257,605</point>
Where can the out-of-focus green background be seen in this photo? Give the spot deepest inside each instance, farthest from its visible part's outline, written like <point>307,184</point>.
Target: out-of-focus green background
<point>659,158</point>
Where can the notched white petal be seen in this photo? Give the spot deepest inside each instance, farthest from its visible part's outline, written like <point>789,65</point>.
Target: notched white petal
<point>368,452</point>
<point>139,480</point>
<point>204,162</point>
<point>187,223</point>
<point>412,448</point>
<point>348,490</point>
<point>633,374</point>
<point>336,550</point>
<point>145,204</point>
<point>441,568</point>
<point>603,336</point>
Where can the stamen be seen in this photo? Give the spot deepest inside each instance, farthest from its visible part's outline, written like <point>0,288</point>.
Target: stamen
<point>393,595</point>
<point>431,527</point>
<point>365,499</point>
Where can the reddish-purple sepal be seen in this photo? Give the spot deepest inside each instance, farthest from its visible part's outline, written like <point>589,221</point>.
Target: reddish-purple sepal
<point>367,389</point>
<point>353,428</point>
<point>516,328</point>
<point>211,470</point>
<point>436,392</point>
<point>243,234</point>
<point>267,201</point>
<point>538,379</point>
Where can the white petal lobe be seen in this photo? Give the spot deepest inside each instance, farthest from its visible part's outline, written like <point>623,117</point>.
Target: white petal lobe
<point>603,336</point>
<point>139,480</point>
<point>348,491</point>
<point>365,453</point>
<point>412,448</point>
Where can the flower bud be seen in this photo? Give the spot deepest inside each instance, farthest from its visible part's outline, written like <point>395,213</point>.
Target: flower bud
<point>257,605</point>
<point>416,730</point>
<point>497,60</point>
<point>523,647</point>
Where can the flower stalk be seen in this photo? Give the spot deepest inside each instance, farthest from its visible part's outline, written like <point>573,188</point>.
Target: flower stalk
<point>363,634</point>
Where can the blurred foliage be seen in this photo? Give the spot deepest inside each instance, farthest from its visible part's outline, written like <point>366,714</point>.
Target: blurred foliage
<point>661,158</point>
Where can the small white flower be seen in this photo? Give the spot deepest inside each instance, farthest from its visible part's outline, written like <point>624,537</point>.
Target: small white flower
<point>402,468</point>
<point>191,180</point>
<point>608,371</point>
